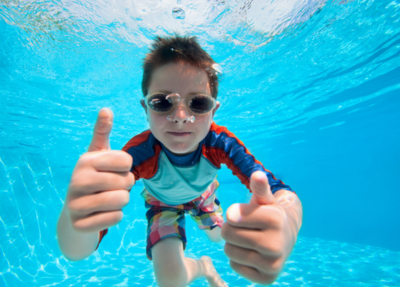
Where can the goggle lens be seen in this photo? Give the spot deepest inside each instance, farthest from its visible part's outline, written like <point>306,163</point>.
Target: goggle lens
<point>160,103</point>
<point>199,104</point>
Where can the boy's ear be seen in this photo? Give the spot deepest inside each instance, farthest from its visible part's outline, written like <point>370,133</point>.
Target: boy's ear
<point>216,108</point>
<point>143,105</point>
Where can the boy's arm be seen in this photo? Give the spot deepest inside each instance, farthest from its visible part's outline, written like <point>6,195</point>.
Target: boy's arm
<point>261,235</point>
<point>223,147</point>
<point>97,192</point>
<point>75,245</point>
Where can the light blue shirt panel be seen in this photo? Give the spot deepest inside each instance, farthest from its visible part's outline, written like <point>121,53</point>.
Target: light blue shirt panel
<point>176,185</point>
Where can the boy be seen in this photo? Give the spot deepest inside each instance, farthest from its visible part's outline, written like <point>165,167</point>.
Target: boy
<point>178,159</point>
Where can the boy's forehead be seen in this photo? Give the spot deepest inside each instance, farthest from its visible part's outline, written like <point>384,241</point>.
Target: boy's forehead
<point>180,78</point>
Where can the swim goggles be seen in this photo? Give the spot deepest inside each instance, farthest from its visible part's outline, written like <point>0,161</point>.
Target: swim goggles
<point>162,103</point>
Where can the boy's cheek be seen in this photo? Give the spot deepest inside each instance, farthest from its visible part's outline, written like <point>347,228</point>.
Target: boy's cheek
<point>156,119</point>
<point>157,124</point>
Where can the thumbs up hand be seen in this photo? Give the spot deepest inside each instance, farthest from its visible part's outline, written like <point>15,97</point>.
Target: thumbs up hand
<point>260,235</point>
<point>100,183</point>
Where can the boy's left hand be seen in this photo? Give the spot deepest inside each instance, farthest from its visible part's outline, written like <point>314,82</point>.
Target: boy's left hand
<point>260,235</point>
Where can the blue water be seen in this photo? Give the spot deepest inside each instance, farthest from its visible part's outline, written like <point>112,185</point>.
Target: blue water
<point>311,87</point>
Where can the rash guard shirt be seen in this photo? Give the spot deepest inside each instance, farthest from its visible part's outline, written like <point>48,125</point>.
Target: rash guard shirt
<point>179,179</point>
<point>175,179</point>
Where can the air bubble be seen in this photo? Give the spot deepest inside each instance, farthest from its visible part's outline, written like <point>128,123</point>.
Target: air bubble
<point>178,13</point>
<point>179,2</point>
<point>171,118</point>
<point>217,68</point>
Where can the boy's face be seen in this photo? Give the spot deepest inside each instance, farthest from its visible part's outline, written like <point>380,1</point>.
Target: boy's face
<point>179,136</point>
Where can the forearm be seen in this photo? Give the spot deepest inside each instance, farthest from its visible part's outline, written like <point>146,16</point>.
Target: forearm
<point>74,245</point>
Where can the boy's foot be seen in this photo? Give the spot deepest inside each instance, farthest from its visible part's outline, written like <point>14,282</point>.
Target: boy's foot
<point>211,274</point>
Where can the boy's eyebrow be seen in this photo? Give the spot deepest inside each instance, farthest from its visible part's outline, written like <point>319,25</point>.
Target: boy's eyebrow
<point>192,93</point>
<point>164,91</point>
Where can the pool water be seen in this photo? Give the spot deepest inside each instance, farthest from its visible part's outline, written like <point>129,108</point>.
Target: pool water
<point>311,87</point>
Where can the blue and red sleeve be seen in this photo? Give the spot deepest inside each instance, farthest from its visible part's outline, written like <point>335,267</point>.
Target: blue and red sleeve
<point>145,150</point>
<point>223,147</point>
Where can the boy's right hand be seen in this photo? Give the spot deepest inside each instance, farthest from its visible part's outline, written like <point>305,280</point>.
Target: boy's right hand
<point>100,183</point>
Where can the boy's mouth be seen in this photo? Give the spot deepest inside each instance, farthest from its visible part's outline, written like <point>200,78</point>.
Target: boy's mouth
<point>180,134</point>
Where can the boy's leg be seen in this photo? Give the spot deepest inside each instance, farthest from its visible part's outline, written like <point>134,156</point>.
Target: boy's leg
<point>171,268</point>
<point>208,213</point>
<point>214,235</point>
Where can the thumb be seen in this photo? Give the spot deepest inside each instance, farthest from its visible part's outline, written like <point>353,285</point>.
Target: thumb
<point>101,131</point>
<point>259,186</point>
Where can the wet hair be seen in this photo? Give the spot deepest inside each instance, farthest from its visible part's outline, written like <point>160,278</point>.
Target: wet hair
<point>175,49</point>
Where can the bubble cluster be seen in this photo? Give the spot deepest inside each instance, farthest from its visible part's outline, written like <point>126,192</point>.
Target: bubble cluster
<point>190,119</point>
<point>215,69</point>
<point>178,13</point>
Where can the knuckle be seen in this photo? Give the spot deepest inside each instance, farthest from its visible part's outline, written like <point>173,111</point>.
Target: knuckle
<point>276,266</point>
<point>111,181</point>
<point>127,160</point>
<point>124,159</point>
<point>74,206</point>
<point>85,160</point>
<point>228,249</point>
<point>261,247</point>
<point>276,218</point>
<point>274,247</point>
<point>131,180</point>
<point>116,217</point>
<point>79,179</point>
<point>76,226</point>
<point>125,197</point>
<point>112,218</point>
<point>75,180</point>
<point>79,226</point>
<point>81,161</point>
<point>267,279</point>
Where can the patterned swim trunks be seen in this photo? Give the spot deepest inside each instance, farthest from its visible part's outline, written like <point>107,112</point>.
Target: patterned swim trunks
<point>165,220</point>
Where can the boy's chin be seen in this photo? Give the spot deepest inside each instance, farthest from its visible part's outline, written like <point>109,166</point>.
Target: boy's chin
<point>180,149</point>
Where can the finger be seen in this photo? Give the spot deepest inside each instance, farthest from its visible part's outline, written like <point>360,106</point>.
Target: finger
<point>99,202</point>
<point>251,239</point>
<point>256,217</point>
<point>101,132</point>
<point>252,274</point>
<point>102,181</point>
<point>98,221</point>
<point>251,258</point>
<point>111,161</point>
<point>261,189</point>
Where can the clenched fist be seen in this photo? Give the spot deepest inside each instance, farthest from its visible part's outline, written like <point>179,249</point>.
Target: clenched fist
<point>100,183</point>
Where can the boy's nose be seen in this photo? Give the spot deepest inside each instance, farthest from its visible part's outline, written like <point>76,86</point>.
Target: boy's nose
<point>181,114</point>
